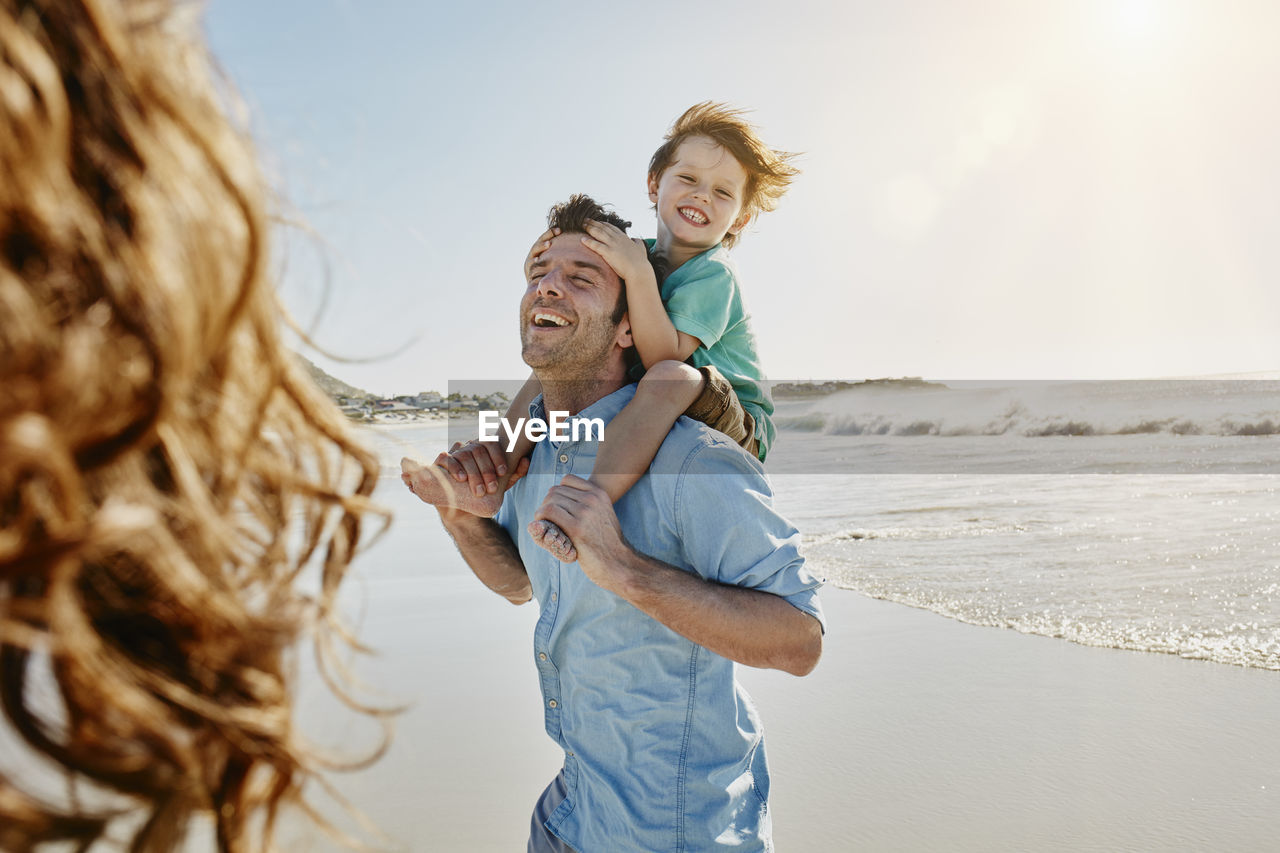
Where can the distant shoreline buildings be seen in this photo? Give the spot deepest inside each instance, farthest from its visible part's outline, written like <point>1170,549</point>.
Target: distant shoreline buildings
<point>364,407</point>
<point>425,405</point>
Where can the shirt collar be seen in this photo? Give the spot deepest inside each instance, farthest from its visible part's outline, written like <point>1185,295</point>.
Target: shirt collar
<point>606,408</point>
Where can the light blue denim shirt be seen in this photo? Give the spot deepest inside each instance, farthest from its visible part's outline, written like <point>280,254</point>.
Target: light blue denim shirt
<point>663,748</point>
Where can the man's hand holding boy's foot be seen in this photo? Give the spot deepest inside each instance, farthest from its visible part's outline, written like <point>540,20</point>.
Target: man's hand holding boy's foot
<point>466,478</point>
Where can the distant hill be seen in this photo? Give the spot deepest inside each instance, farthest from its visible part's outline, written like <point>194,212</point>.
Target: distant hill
<point>816,389</point>
<point>333,387</point>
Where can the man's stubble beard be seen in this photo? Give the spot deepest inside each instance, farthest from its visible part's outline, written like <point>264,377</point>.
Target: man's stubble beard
<point>581,356</point>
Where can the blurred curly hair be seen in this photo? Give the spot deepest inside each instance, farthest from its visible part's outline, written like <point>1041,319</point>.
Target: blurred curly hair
<point>168,471</point>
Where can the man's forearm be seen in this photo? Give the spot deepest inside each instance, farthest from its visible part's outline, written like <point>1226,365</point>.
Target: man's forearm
<point>745,625</point>
<point>749,626</point>
<point>490,553</point>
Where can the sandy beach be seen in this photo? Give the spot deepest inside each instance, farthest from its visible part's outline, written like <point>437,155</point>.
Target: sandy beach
<point>916,732</point>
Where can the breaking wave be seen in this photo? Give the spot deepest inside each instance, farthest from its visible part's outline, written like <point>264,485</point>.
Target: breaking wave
<point>1044,410</point>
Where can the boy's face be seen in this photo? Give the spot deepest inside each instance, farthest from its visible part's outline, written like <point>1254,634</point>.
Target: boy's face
<point>699,197</point>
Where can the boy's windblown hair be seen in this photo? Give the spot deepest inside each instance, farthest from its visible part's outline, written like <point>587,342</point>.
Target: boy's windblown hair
<point>769,172</point>
<point>167,469</point>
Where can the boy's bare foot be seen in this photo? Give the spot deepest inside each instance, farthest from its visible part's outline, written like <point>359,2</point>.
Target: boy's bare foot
<point>434,485</point>
<point>552,538</point>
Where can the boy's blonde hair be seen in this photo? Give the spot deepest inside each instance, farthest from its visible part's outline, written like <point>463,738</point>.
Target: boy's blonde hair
<point>769,172</point>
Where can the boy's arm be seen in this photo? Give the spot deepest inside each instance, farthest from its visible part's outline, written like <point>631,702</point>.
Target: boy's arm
<point>656,339</point>
<point>518,409</point>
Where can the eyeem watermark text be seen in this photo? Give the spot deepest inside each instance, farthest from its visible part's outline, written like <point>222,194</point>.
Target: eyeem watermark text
<point>558,428</point>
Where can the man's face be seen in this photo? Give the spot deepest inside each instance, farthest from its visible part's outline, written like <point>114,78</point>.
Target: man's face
<point>565,316</point>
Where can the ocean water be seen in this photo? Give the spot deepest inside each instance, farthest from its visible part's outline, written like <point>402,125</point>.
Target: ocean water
<point>1130,515</point>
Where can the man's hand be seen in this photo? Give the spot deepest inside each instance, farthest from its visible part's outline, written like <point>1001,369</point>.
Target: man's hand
<point>746,625</point>
<point>584,512</point>
<point>628,257</point>
<point>466,478</point>
<point>480,463</point>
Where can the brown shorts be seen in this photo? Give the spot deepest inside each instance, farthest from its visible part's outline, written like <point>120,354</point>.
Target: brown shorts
<point>719,408</point>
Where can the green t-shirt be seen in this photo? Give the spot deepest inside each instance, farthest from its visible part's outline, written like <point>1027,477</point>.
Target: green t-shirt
<point>703,299</point>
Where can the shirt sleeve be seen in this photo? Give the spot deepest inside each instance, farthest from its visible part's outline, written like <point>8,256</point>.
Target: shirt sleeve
<point>731,533</point>
<point>702,306</point>
<point>505,516</point>
<point>508,515</point>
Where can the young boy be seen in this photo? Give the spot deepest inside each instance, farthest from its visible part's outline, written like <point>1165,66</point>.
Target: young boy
<point>707,181</point>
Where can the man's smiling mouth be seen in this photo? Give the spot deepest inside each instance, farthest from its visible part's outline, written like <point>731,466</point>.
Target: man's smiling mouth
<point>543,320</point>
<point>697,217</point>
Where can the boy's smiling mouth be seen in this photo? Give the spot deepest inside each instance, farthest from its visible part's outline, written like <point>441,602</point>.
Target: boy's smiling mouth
<point>693,215</point>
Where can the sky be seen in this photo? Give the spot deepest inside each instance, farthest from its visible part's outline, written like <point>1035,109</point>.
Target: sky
<point>990,189</point>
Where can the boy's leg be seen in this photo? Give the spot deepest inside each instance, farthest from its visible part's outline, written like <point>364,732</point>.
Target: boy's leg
<point>718,407</point>
<point>634,436</point>
<point>662,396</point>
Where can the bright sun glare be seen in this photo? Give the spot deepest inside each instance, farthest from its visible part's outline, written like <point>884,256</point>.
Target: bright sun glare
<point>1135,20</point>
<point>1135,16</point>
<point>1141,33</point>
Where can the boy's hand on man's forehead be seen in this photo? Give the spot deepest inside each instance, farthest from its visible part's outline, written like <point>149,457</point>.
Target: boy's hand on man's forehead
<point>628,257</point>
<point>539,246</point>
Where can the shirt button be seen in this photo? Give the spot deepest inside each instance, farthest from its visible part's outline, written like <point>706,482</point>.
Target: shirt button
<point>554,596</point>
<point>552,703</point>
<point>542,656</point>
<point>564,457</point>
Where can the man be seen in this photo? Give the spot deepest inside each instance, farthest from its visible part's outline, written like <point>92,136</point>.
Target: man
<point>636,642</point>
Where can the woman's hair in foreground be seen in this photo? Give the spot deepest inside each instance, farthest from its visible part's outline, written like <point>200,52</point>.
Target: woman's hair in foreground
<point>769,172</point>
<point>167,470</point>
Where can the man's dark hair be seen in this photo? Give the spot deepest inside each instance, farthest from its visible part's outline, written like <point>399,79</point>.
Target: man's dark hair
<point>572,216</point>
